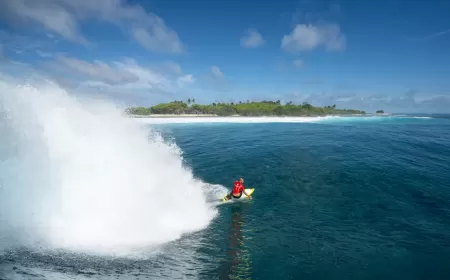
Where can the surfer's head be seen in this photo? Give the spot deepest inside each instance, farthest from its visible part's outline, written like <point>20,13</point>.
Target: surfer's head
<point>241,180</point>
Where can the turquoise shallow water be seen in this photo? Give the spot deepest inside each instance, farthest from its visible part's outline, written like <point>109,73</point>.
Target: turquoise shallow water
<point>343,198</point>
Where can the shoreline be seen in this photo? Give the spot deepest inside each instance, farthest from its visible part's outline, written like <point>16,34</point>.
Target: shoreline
<point>153,116</point>
<point>174,116</point>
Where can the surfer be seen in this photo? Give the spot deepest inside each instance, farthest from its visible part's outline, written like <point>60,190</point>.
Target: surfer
<point>238,189</point>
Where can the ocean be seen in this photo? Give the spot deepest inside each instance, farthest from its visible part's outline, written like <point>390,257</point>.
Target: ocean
<point>87,193</point>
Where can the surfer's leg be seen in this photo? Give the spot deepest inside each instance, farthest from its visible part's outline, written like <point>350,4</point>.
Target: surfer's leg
<point>240,194</point>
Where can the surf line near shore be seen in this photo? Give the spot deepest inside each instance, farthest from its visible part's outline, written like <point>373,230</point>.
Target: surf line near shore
<point>231,116</point>
<point>176,116</point>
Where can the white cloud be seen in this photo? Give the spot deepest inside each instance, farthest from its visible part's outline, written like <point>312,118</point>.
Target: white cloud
<point>63,16</point>
<point>147,78</point>
<point>406,102</point>
<point>51,14</point>
<point>120,76</point>
<point>3,57</point>
<point>43,54</point>
<point>308,37</point>
<point>160,39</point>
<point>252,39</point>
<point>99,70</point>
<point>173,67</point>
<point>431,36</point>
<point>344,99</point>
<point>185,79</point>
<point>311,11</point>
<point>298,63</point>
<point>189,78</point>
<point>216,72</point>
<point>22,44</point>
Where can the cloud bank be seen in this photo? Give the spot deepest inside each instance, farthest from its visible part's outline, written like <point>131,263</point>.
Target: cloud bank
<point>409,102</point>
<point>64,17</point>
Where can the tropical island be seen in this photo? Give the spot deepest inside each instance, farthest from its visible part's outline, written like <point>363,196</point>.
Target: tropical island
<point>248,108</point>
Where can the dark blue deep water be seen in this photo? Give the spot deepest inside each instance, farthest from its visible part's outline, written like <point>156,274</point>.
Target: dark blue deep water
<point>352,198</point>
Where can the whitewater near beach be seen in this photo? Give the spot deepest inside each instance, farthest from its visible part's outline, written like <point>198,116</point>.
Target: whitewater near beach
<point>89,193</point>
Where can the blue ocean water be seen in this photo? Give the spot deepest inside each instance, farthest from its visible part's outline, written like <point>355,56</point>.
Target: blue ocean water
<point>355,198</point>
<point>339,198</point>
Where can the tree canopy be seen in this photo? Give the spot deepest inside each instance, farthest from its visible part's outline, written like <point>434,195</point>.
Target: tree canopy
<point>261,108</point>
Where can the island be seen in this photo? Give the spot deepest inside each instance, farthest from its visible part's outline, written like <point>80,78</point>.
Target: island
<point>248,108</point>
<point>380,112</point>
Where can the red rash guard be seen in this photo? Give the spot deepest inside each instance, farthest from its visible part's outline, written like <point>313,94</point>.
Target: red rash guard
<point>238,187</point>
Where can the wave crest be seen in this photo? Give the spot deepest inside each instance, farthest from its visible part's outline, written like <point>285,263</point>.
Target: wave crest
<point>78,175</point>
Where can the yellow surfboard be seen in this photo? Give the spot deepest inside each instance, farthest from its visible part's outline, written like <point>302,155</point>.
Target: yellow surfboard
<point>248,191</point>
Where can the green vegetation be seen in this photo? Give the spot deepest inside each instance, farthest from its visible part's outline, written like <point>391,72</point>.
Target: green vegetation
<point>263,108</point>
<point>380,112</point>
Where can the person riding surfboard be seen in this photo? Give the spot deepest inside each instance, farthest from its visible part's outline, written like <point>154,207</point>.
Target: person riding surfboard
<point>238,189</point>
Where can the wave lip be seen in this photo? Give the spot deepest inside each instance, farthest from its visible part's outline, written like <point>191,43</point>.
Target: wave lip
<point>83,177</point>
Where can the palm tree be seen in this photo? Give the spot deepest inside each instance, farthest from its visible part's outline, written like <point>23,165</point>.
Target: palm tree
<point>189,101</point>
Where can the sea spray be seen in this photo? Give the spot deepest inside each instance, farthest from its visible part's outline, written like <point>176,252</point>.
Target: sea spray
<point>78,175</point>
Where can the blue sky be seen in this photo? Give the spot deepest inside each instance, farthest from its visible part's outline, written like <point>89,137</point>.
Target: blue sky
<point>388,54</point>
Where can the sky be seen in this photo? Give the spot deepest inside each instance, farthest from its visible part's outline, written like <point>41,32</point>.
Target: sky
<point>388,54</point>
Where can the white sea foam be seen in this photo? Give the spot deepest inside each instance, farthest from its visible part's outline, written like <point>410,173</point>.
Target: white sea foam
<point>79,175</point>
